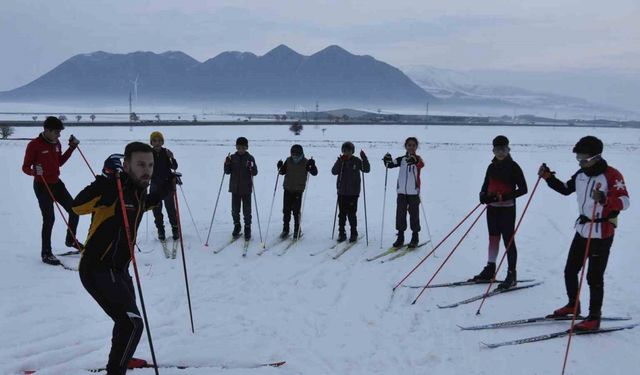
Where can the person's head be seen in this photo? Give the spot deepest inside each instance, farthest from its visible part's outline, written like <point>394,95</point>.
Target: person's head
<point>411,145</point>
<point>348,149</point>
<point>501,147</point>
<point>297,152</point>
<point>52,128</point>
<point>138,163</point>
<point>242,145</point>
<point>156,139</point>
<point>588,151</point>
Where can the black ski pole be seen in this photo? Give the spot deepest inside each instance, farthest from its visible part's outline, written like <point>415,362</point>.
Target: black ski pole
<point>125,220</point>
<point>184,260</point>
<point>304,198</point>
<point>366,223</point>
<point>335,213</point>
<point>384,203</point>
<point>190,214</point>
<point>255,200</point>
<point>215,208</point>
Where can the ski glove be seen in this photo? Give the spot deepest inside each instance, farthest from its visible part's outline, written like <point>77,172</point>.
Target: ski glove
<point>310,164</point>
<point>544,172</point>
<point>599,196</point>
<point>363,156</point>
<point>112,165</point>
<point>249,165</point>
<point>280,164</point>
<point>387,159</point>
<point>73,141</point>
<point>177,176</point>
<point>227,160</point>
<point>412,160</point>
<point>37,170</point>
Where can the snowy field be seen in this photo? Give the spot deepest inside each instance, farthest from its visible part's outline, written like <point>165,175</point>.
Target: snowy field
<point>322,316</point>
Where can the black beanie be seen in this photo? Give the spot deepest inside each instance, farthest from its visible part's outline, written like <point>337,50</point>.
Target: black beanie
<point>348,146</point>
<point>589,145</point>
<point>53,123</point>
<point>242,141</point>
<point>297,150</point>
<point>500,141</point>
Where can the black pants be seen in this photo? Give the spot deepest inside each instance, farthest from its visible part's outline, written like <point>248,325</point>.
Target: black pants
<point>598,258</point>
<point>170,205</point>
<point>347,208</point>
<point>113,290</point>
<point>245,201</point>
<point>291,203</point>
<point>501,222</point>
<point>410,203</point>
<point>45,202</point>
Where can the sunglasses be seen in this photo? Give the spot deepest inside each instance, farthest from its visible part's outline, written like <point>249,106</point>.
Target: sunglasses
<point>586,160</point>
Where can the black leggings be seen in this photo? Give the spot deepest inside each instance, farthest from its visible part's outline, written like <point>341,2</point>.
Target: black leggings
<point>113,290</point>
<point>501,222</point>
<point>348,208</point>
<point>45,202</point>
<point>245,201</point>
<point>598,258</point>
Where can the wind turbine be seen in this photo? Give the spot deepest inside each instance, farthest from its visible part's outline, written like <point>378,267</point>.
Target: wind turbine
<point>135,88</point>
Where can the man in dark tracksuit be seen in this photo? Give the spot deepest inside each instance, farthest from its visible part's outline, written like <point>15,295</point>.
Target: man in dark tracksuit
<point>503,183</point>
<point>600,189</point>
<point>295,170</point>
<point>42,160</point>
<point>163,164</point>
<point>104,266</point>
<point>348,168</point>
<point>242,167</point>
<point>408,189</point>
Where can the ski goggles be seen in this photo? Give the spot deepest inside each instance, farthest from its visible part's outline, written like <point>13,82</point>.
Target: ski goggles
<point>584,159</point>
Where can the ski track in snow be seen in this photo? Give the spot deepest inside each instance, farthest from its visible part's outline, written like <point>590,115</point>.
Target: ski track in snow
<point>323,316</point>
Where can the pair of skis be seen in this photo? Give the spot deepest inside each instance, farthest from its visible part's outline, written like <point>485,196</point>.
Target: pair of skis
<point>396,251</point>
<point>245,245</point>
<point>187,367</point>
<point>278,241</point>
<point>548,336</point>
<point>346,247</point>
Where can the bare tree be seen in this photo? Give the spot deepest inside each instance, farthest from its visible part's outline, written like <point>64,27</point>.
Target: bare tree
<point>6,131</point>
<point>62,118</point>
<point>195,118</point>
<point>78,118</point>
<point>157,116</point>
<point>34,118</point>
<point>92,117</point>
<point>296,128</point>
<point>133,117</point>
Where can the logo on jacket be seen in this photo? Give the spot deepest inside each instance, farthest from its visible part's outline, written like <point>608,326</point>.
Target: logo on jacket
<point>620,185</point>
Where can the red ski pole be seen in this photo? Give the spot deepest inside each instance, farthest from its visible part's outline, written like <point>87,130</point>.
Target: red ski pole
<point>125,220</point>
<point>85,160</point>
<point>506,250</point>
<point>61,213</point>
<point>584,265</point>
<point>437,246</point>
<point>450,254</point>
<point>184,261</point>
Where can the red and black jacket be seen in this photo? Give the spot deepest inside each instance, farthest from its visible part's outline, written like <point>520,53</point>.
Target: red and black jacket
<point>48,155</point>
<point>504,179</point>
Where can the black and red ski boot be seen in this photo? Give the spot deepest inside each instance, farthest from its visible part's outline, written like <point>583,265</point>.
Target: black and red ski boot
<point>565,310</point>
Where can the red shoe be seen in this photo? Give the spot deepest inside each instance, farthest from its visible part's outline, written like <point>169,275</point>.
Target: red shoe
<point>565,311</point>
<point>137,363</point>
<point>589,324</point>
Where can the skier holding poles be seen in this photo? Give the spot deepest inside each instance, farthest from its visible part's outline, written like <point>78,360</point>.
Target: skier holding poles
<point>408,189</point>
<point>42,160</point>
<point>163,164</point>
<point>348,168</point>
<point>241,166</point>
<point>503,183</point>
<point>610,198</point>
<point>117,200</point>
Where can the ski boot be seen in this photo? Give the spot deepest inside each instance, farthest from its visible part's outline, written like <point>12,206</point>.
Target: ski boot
<point>354,236</point>
<point>73,243</point>
<point>342,235</point>
<point>247,233</point>
<point>51,259</point>
<point>137,363</point>
<point>237,228</point>
<point>161,235</point>
<point>487,273</point>
<point>592,323</point>
<point>297,233</point>
<point>399,241</point>
<point>415,239</point>
<point>565,310</point>
<point>175,232</point>
<point>285,231</point>
<point>510,281</point>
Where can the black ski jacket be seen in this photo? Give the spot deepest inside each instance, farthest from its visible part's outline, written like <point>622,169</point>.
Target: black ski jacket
<point>348,172</point>
<point>240,181</point>
<point>162,166</point>
<point>503,179</point>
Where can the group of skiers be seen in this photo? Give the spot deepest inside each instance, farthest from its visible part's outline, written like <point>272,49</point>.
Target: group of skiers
<point>126,178</point>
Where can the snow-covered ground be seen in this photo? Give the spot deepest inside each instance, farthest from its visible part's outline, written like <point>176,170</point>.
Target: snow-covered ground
<point>322,316</point>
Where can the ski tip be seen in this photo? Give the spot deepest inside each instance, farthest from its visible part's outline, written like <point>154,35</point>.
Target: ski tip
<point>462,327</point>
<point>276,364</point>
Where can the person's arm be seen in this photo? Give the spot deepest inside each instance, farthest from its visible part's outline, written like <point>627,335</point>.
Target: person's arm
<point>254,167</point>
<point>311,167</point>
<point>93,196</point>
<point>365,165</point>
<point>566,188</point>
<point>617,196</point>
<point>283,169</point>
<point>153,199</point>
<point>29,159</point>
<point>485,186</point>
<point>227,165</point>
<point>67,154</point>
<point>520,182</point>
<point>337,167</point>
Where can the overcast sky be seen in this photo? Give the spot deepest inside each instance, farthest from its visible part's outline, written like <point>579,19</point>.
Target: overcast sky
<point>36,36</point>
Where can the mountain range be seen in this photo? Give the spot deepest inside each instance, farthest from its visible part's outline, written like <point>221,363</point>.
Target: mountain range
<point>281,75</point>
